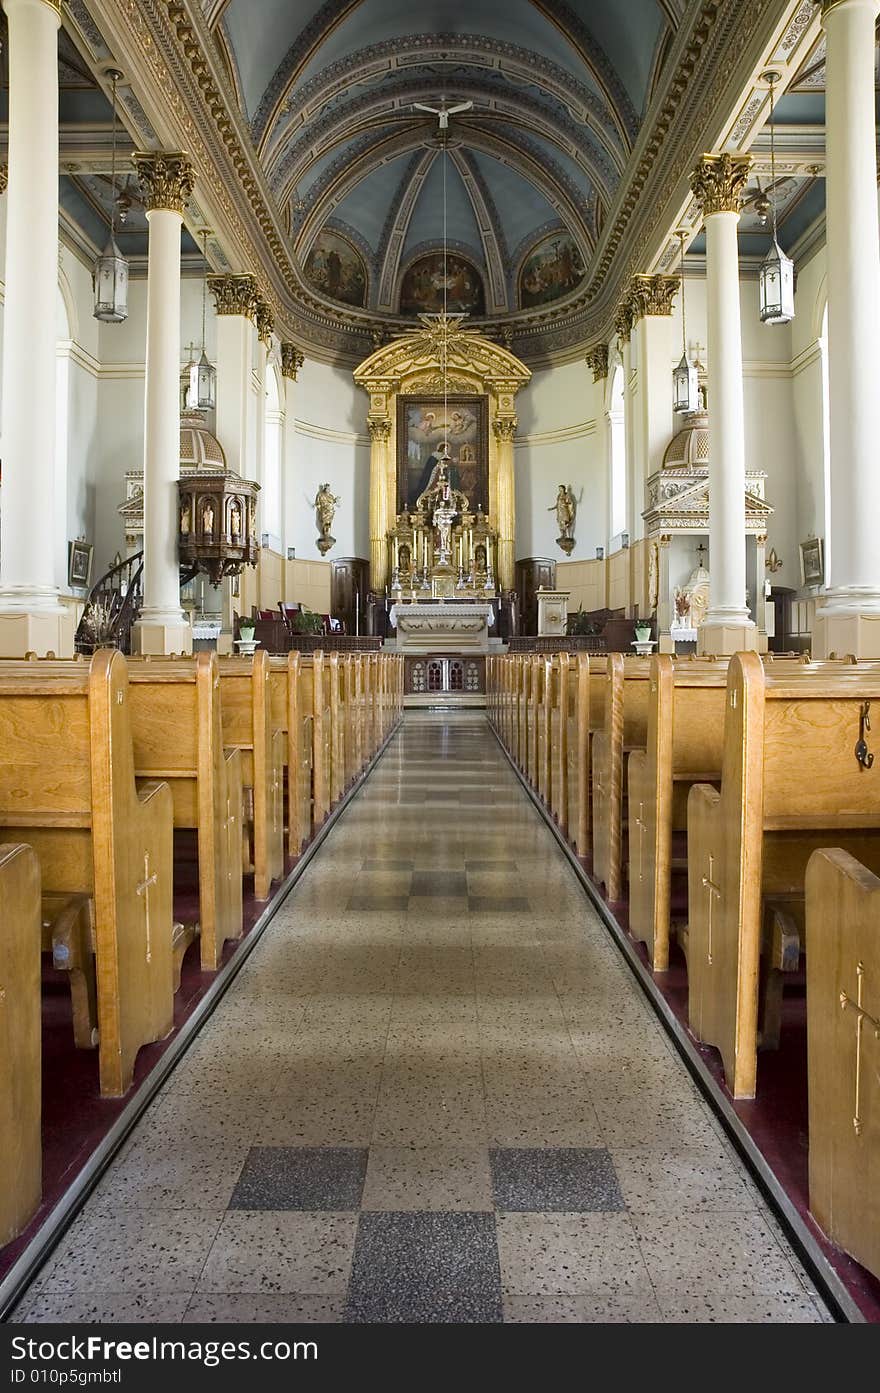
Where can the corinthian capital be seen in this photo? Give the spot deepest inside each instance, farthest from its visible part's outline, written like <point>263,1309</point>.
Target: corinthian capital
<point>505,427</point>
<point>624,319</point>
<point>235,295</point>
<point>291,360</point>
<point>379,429</point>
<point>597,361</point>
<point>166,178</point>
<point>652,295</point>
<point>265,320</point>
<point>718,183</point>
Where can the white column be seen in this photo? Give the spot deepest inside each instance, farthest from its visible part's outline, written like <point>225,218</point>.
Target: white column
<point>167,180</point>
<point>31,614</point>
<point>718,182</point>
<point>849,619</point>
<point>237,301</point>
<point>291,362</point>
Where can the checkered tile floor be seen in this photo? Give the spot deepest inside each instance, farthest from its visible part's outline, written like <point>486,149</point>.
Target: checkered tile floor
<point>433,1093</point>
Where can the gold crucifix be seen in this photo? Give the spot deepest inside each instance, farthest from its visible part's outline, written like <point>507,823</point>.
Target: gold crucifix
<point>847,1003</point>
<point>714,894</point>
<point>144,889</point>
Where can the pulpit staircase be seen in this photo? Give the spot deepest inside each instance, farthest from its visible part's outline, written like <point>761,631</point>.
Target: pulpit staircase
<point>114,604</point>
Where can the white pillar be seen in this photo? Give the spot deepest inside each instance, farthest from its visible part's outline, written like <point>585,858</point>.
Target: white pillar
<point>237,300</point>
<point>718,182</point>
<point>167,180</point>
<point>291,362</point>
<point>849,619</point>
<point>31,614</point>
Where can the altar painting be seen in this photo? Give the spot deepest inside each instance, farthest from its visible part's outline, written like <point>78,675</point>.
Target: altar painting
<point>423,426</point>
<point>552,268</point>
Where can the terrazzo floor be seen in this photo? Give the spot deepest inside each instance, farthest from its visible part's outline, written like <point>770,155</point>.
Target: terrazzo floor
<point>433,1093</point>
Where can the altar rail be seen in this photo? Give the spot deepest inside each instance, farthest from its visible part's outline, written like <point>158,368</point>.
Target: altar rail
<point>573,643</point>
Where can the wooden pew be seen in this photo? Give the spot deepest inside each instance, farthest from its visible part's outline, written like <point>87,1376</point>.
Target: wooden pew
<point>587,684</point>
<point>625,728</point>
<point>337,728</point>
<point>790,784</point>
<point>684,746</point>
<point>20,1039</point>
<point>843,1041</point>
<point>67,788</point>
<point>291,696</point>
<point>559,732</point>
<point>247,726</point>
<point>323,738</point>
<point>177,733</point>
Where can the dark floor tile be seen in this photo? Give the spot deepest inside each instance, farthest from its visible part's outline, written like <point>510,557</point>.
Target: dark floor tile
<point>425,1268</point>
<point>376,863</point>
<point>301,1177</point>
<point>568,1179</point>
<point>443,883</point>
<point>505,867</point>
<point>387,904</point>
<point>501,904</point>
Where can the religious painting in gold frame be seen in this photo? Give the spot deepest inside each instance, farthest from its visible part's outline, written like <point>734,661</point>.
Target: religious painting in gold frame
<point>424,424</point>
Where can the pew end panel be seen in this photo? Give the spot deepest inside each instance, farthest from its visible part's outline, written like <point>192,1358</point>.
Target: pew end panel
<point>20,1039</point>
<point>843,1043</point>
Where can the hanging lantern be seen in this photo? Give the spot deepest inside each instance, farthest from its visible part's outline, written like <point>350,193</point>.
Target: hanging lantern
<point>203,375</point>
<point>685,381</point>
<point>110,274</point>
<point>776,281</point>
<point>777,286</point>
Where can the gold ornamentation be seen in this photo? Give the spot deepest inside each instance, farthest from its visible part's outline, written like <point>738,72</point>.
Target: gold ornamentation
<point>505,427</point>
<point>167,179</point>
<point>718,182</point>
<point>235,295</point>
<point>265,320</point>
<point>624,319</point>
<point>597,361</point>
<point>4,177</point>
<point>292,360</point>
<point>653,577</point>
<point>379,430</point>
<point>862,1018</point>
<point>652,295</point>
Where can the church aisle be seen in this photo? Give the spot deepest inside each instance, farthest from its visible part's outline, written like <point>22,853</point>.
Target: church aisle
<point>434,1092</point>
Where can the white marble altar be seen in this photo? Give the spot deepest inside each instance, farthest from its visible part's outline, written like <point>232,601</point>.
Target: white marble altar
<point>442,627</point>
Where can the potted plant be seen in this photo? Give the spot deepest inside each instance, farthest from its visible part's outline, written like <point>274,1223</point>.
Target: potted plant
<point>246,629</point>
<point>643,630</point>
<point>305,621</point>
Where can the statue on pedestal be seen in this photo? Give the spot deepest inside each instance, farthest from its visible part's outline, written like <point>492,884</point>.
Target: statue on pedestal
<point>325,507</point>
<point>565,508</point>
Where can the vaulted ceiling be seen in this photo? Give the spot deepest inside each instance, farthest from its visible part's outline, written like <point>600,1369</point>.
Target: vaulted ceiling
<point>558,92</point>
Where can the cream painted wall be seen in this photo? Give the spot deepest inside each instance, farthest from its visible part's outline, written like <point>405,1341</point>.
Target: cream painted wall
<point>330,445</point>
<point>559,442</point>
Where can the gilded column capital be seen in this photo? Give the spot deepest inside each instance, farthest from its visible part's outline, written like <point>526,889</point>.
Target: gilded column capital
<point>652,295</point>
<point>505,428</point>
<point>235,294</point>
<point>718,182</point>
<point>597,361</point>
<point>264,319</point>
<point>624,319</point>
<point>4,177</point>
<point>292,360</point>
<point>167,179</point>
<point>380,429</point>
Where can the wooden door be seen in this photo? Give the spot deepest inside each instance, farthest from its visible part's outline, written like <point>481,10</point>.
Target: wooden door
<point>349,577</point>
<point>531,574</point>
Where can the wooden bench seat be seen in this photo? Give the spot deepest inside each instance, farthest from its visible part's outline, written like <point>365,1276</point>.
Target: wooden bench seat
<point>178,736</point>
<point>843,1035</point>
<point>245,705</point>
<point>291,698</point>
<point>790,784</point>
<point>20,1038</point>
<point>625,728</point>
<point>67,788</point>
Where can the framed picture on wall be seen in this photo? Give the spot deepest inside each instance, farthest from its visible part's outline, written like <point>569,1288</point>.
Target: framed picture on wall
<point>79,565</point>
<point>812,562</point>
<point>424,425</point>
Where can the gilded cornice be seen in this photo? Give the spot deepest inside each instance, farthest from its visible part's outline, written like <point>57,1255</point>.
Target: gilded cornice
<point>235,295</point>
<point>597,361</point>
<point>166,177</point>
<point>436,348</point>
<point>292,360</point>
<point>652,295</point>
<point>718,183</point>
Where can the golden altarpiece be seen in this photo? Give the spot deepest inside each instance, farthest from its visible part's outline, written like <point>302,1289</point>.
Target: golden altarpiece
<point>442,420</point>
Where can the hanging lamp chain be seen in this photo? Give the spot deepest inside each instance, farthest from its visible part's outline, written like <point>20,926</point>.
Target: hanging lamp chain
<point>204,283</point>
<point>681,238</point>
<point>113,165</point>
<point>773,81</point>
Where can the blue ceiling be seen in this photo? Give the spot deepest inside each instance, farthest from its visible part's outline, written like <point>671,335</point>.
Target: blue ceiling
<point>558,92</point>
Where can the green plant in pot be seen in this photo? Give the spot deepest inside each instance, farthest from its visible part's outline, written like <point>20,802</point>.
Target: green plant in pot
<point>580,623</point>
<point>246,629</point>
<point>305,621</point>
<point>643,630</point>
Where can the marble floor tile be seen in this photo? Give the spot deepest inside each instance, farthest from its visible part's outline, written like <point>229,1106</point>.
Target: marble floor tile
<point>570,1255</point>
<point>308,1178</point>
<point>544,1179</point>
<point>691,1253</point>
<point>425,1268</point>
<point>582,1310</point>
<point>428,1178</point>
<point>147,1252</point>
<point>737,1308</point>
<point>245,1308</point>
<point>288,1253</point>
<point>102,1308</point>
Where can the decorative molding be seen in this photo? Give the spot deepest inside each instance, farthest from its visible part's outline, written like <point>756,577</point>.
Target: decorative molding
<point>337,437</point>
<point>264,320</point>
<point>504,427</point>
<point>4,177</point>
<point>380,429</point>
<point>652,295</point>
<point>624,319</point>
<point>556,437</point>
<point>167,179</point>
<point>597,361</point>
<point>719,181</point>
<point>292,360</point>
<point>235,295</point>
